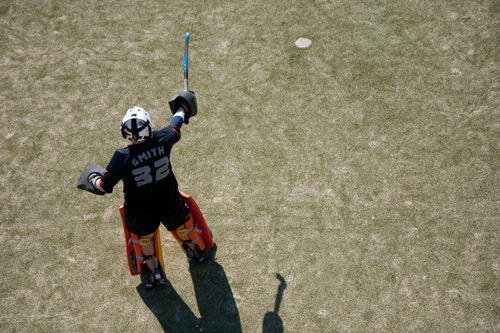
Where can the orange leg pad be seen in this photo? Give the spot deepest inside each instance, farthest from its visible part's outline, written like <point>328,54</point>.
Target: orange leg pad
<point>134,249</point>
<point>135,269</point>
<point>199,219</point>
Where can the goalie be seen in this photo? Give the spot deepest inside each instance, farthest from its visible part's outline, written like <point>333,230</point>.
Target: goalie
<point>150,188</point>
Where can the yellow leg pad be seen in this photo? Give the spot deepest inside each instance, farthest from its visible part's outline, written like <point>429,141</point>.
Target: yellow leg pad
<point>158,249</point>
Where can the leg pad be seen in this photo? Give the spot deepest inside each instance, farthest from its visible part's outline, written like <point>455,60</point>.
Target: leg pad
<point>197,230</point>
<point>133,244</point>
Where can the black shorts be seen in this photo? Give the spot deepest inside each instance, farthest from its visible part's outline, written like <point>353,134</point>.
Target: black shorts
<point>145,222</point>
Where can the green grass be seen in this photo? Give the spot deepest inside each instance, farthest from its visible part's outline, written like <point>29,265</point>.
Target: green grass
<point>363,169</point>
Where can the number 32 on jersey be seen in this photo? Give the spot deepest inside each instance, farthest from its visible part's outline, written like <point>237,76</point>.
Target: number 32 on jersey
<point>143,174</point>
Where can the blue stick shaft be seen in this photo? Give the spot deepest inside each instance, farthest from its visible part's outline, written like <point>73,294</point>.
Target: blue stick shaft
<point>186,44</point>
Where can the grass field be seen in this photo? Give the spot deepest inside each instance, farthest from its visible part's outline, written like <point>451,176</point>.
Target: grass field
<point>351,186</point>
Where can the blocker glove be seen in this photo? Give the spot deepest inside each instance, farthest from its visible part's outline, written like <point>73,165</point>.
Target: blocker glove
<point>185,96</point>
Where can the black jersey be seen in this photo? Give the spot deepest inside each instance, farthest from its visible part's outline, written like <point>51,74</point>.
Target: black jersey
<point>148,182</point>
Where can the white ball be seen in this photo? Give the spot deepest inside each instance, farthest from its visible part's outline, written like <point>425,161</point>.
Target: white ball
<point>303,43</point>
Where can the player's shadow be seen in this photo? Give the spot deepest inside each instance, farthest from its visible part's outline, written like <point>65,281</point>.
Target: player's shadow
<point>272,321</point>
<point>215,300</point>
<point>169,308</point>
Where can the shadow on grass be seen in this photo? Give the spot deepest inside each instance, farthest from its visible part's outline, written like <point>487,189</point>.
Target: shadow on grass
<point>215,300</point>
<point>272,321</point>
<point>170,309</point>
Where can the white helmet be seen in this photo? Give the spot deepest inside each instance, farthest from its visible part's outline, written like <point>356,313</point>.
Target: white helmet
<point>136,125</point>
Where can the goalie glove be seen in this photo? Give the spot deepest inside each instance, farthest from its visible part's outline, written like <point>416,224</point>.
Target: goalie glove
<point>185,96</point>
<point>89,177</point>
